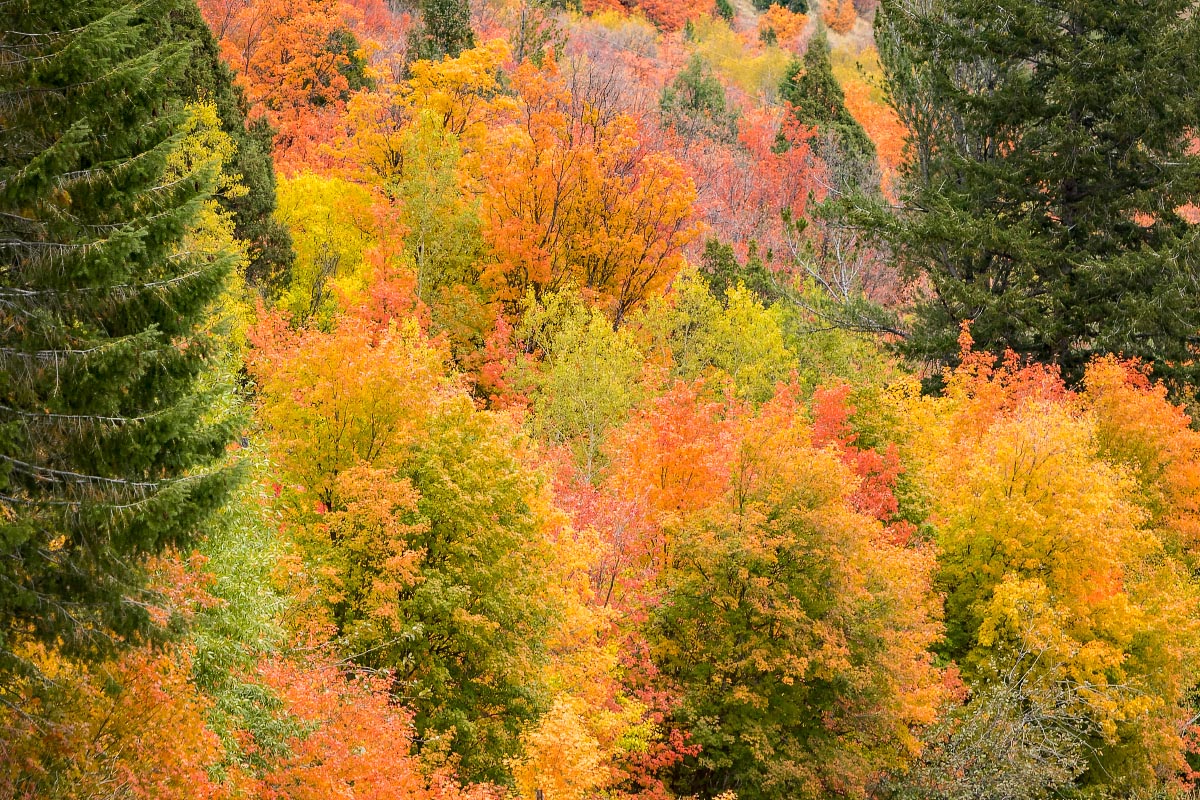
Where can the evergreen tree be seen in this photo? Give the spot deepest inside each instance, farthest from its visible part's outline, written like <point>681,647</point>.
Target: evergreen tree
<point>207,76</point>
<point>108,445</point>
<point>1050,153</point>
<point>721,270</point>
<point>798,6</point>
<point>817,100</point>
<point>445,29</point>
<point>725,10</point>
<point>695,103</point>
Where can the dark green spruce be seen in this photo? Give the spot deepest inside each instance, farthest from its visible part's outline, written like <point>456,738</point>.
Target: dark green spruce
<point>798,6</point>
<point>817,101</point>
<point>110,447</point>
<point>207,76</point>
<point>1051,153</point>
<point>444,29</point>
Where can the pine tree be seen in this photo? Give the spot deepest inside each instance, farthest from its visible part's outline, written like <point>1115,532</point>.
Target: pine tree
<point>695,103</point>
<point>798,6</point>
<point>1050,154</point>
<point>445,29</point>
<point>109,447</point>
<point>817,100</point>
<point>208,76</point>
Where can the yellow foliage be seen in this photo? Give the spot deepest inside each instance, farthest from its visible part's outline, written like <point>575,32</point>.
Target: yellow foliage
<point>757,72</point>
<point>463,92</point>
<point>562,757</point>
<point>462,96</point>
<point>341,231</point>
<point>1057,517</point>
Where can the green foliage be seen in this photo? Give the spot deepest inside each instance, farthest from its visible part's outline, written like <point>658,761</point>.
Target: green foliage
<point>242,551</point>
<point>353,66</point>
<point>108,450</point>
<point>207,77</point>
<point>444,30</point>
<point>1051,151</point>
<point>694,103</point>
<point>817,101</point>
<point>791,629</point>
<point>443,238</point>
<point>590,382</point>
<point>725,10</point>
<point>798,6</point>
<point>421,531</point>
<point>742,341</point>
<point>472,622</point>
<point>720,268</point>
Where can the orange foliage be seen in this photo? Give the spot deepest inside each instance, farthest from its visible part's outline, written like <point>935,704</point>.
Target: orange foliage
<point>1139,427</point>
<point>877,471</point>
<point>354,742</point>
<point>288,59</point>
<point>839,15</point>
<point>882,124</point>
<point>669,15</point>
<point>676,454</point>
<point>788,25</point>
<point>568,198</point>
<point>138,723</point>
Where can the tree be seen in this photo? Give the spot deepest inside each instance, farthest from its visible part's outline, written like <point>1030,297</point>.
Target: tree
<point>109,445</point>
<point>1055,564</point>
<point>733,342</point>
<point>797,6</point>
<point>781,25</point>
<point>208,78</point>
<point>342,233</point>
<point>423,534</point>
<point>444,31</point>
<point>1009,742</point>
<point>722,271</point>
<point>694,103</point>
<point>817,101</point>
<point>796,632</point>
<point>589,383</point>
<point>569,197</point>
<point>839,15</point>
<point>298,63</point>
<point>1051,150</point>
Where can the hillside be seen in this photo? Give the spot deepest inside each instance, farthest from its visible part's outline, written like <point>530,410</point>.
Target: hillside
<point>601,400</point>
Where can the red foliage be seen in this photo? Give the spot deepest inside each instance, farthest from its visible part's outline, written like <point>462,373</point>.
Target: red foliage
<point>743,188</point>
<point>669,15</point>
<point>354,743</point>
<point>289,59</point>
<point>877,471</point>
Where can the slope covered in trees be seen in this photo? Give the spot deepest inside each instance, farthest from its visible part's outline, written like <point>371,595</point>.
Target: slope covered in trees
<point>616,399</point>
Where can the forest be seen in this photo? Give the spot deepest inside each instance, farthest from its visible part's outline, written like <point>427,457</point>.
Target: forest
<point>599,399</point>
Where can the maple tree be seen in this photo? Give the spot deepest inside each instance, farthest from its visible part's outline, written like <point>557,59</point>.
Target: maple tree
<point>1049,558</point>
<point>839,15</point>
<point>297,62</point>
<point>569,201</point>
<point>764,649</point>
<point>423,533</point>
